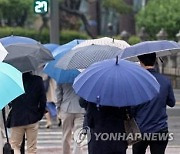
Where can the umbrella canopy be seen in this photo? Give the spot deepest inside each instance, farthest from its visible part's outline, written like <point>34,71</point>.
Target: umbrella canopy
<point>121,44</point>
<point>11,85</point>
<point>161,47</point>
<point>51,46</point>
<point>3,52</point>
<point>113,83</point>
<point>16,39</point>
<point>91,51</point>
<point>82,57</point>
<point>60,75</point>
<point>27,57</point>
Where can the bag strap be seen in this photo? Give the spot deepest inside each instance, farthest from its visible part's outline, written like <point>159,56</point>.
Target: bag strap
<point>4,119</point>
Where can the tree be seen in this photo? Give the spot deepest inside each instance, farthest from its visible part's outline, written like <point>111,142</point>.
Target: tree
<point>72,7</point>
<point>128,19</point>
<point>124,13</point>
<point>15,12</point>
<point>159,14</point>
<point>118,5</point>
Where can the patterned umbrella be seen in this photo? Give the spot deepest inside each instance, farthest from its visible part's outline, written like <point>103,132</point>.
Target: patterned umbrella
<point>60,75</point>
<point>91,51</point>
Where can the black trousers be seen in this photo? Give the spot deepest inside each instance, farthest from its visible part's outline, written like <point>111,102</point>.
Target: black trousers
<point>156,146</point>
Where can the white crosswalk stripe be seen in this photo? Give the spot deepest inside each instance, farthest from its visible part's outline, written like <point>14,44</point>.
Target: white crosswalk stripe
<point>49,137</point>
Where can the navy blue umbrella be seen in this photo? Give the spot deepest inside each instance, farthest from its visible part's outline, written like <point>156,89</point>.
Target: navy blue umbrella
<point>113,83</point>
<point>161,47</point>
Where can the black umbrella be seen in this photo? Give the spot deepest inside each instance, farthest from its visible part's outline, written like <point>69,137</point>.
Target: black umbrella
<point>27,57</point>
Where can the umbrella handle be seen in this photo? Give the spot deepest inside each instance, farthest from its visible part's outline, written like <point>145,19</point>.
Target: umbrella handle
<point>128,117</point>
<point>161,60</point>
<point>116,60</point>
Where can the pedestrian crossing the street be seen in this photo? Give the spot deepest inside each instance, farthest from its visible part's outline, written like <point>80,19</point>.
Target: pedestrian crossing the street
<point>50,139</point>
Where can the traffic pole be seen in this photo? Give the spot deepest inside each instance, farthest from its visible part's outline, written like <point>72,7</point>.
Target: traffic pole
<point>54,21</point>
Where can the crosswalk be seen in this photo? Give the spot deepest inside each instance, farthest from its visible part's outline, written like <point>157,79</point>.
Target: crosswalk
<point>49,138</point>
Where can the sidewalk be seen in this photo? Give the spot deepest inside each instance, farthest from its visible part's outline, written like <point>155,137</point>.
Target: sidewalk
<point>175,111</point>
<point>56,150</point>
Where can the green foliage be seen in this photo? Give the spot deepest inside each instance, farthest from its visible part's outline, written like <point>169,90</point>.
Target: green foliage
<point>160,14</point>
<point>15,10</point>
<point>65,35</point>
<point>117,37</point>
<point>134,40</point>
<point>7,31</point>
<point>69,35</point>
<point>118,5</point>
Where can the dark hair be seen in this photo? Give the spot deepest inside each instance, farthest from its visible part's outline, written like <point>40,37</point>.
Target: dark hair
<point>26,75</point>
<point>148,59</point>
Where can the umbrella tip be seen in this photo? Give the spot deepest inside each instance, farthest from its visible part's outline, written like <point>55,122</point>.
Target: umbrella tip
<point>117,60</point>
<point>98,99</point>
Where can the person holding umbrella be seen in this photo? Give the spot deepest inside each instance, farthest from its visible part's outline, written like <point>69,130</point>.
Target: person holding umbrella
<point>109,88</point>
<point>1,132</point>
<point>26,111</point>
<point>71,114</point>
<point>151,116</point>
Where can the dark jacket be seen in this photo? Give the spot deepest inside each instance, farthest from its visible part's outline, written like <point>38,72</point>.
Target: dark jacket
<point>151,116</point>
<point>28,108</point>
<point>105,120</point>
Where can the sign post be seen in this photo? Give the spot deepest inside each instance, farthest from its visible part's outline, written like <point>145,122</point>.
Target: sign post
<point>54,22</point>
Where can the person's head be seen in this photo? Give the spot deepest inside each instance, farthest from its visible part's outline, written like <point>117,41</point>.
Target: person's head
<point>148,59</point>
<point>27,75</point>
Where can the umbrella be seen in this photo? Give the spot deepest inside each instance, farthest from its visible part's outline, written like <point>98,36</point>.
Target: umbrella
<point>27,57</point>
<point>91,51</point>
<point>82,57</point>
<point>51,46</point>
<point>11,85</point>
<point>121,44</point>
<point>17,39</point>
<point>3,52</point>
<point>113,83</point>
<point>161,47</point>
<point>60,75</point>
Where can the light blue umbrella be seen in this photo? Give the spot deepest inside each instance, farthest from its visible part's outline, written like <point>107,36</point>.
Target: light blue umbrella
<point>11,85</point>
<point>60,75</point>
<point>51,46</point>
<point>17,39</point>
<point>161,47</point>
<point>113,83</point>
